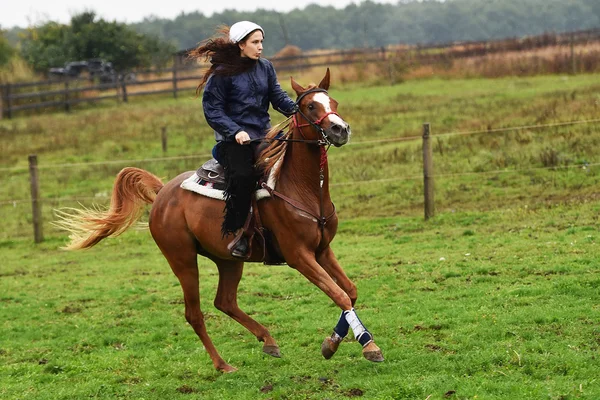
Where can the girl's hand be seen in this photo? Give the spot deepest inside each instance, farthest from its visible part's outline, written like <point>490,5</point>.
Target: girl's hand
<point>242,137</point>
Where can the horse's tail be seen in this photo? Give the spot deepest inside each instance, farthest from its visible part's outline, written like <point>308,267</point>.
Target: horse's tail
<point>133,189</point>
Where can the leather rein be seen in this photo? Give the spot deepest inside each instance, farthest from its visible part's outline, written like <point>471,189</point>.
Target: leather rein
<point>322,143</point>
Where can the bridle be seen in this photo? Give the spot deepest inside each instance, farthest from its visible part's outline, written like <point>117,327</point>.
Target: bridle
<point>315,124</point>
<point>324,145</point>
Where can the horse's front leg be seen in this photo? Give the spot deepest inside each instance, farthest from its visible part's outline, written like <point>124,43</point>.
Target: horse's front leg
<point>331,343</point>
<point>330,264</point>
<point>307,265</point>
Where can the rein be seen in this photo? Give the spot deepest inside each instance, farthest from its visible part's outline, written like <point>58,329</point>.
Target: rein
<point>321,218</point>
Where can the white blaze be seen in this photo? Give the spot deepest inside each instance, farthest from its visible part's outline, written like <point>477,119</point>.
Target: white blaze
<point>323,99</point>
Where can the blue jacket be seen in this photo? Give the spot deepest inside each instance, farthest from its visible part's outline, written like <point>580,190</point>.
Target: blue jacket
<point>241,102</point>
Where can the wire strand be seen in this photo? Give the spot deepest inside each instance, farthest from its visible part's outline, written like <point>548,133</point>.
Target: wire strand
<point>383,140</point>
<point>368,181</point>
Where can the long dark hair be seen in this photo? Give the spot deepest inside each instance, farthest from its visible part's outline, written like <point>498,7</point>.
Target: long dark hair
<point>224,56</point>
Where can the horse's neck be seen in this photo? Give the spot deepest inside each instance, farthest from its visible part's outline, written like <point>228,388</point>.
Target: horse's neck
<point>300,173</point>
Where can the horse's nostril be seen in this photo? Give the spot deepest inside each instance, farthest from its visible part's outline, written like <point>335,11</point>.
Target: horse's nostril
<point>336,129</point>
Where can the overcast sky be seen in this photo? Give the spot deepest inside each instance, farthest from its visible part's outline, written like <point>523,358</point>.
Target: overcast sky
<point>27,12</point>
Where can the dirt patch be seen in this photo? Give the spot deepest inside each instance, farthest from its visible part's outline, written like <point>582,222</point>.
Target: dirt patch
<point>185,389</point>
<point>71,310</point>
<point>354,392</point>
<point>433,347</point>
<point>266,388</point>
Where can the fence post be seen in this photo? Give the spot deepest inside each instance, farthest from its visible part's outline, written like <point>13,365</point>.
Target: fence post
<point>391,72</point>
<point>573,63</point>
<point>8,102</point>
<point>35,199</point>
<point>164,139</point>
<point>175,77</point>
<point>428,172</point>
<point>67,102</point>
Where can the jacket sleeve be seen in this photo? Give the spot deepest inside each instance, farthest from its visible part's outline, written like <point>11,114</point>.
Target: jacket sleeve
<point>277,96</point>
<point>213,103</point>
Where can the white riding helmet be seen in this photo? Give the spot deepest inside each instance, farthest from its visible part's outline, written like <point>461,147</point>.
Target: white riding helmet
<point>239,30</point>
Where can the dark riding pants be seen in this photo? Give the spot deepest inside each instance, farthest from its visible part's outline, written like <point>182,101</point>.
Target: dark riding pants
<point>241,177</point>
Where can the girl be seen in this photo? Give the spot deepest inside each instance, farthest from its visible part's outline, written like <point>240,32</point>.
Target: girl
<point>238,87</point>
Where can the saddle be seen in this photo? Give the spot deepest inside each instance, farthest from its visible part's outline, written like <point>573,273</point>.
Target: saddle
<point>211,175</point>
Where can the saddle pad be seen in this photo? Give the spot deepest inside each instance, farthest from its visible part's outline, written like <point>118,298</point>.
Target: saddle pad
<point>198,185</point>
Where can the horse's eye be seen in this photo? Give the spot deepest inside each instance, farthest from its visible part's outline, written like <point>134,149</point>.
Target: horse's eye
<point>311,107</point>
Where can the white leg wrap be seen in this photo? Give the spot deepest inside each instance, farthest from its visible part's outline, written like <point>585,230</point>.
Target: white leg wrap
<point>357,327</point>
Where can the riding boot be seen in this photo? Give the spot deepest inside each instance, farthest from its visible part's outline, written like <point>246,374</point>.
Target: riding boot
<point>240,245</point>
<point>240,248</point>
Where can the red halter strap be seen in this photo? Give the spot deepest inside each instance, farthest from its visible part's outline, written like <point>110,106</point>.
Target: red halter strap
<point>317,122</point>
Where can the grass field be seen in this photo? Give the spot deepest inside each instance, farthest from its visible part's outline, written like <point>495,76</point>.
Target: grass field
<point>494,298</point>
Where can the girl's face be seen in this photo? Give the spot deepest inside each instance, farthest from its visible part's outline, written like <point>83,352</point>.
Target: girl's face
<point>252,47</point>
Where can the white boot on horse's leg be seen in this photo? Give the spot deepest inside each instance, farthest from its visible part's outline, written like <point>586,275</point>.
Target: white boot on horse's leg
<point>370,350</point>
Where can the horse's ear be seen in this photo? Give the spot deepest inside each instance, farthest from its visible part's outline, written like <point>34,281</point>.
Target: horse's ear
<point>325,82</point>
<point>297,88</point>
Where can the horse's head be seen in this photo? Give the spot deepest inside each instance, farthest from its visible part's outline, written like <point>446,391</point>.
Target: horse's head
<point>320,111</point>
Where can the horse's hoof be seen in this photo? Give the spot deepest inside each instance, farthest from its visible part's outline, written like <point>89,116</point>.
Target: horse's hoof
<point>329,347</point>
<point>372,353</point>
<point>227,369</point>
<point>272,350</point>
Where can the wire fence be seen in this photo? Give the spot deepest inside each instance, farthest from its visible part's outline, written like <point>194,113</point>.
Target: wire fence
<point>361,142</point>
<point>14,202</point>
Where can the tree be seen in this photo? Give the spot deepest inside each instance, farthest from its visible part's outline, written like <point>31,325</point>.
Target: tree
<point>6,51</point>
<point>377,24</point>
<point>52,44</point>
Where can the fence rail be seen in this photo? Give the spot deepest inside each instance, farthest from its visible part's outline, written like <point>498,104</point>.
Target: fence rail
<point>64,93</point>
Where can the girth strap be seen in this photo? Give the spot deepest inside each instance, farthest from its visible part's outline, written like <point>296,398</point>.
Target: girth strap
<point>322,220</point>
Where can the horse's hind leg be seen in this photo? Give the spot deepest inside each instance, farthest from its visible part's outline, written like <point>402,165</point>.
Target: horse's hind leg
<point>180,252</point>
<point>230,274</point>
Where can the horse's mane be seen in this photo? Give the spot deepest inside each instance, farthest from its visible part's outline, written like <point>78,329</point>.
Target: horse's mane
<point>276,149</point>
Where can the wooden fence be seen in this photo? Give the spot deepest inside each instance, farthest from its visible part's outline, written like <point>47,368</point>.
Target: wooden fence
<point>64,94</point>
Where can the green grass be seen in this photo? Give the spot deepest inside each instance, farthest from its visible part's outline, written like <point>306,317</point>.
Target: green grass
<point>494,298</point>
<point>106,139</point>
<point>498,305</point>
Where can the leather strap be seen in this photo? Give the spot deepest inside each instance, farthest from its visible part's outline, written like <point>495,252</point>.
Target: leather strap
<point>322,220</point>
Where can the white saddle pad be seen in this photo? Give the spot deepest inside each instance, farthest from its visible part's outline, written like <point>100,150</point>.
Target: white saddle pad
<point>192,184</point>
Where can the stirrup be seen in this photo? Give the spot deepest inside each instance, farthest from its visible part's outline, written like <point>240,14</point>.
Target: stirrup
<point>235,251</point>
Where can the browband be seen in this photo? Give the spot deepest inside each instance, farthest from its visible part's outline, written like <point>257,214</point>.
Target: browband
<point>313,90</point>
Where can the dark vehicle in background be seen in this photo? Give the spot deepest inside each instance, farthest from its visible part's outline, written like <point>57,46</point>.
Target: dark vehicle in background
<point>96,69</point>
<point>71,69</point>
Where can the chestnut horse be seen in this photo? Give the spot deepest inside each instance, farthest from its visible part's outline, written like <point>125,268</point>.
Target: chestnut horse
<point>299,214</point>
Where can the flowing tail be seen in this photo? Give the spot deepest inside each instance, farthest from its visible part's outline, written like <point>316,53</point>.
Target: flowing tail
<point>133,189</point>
